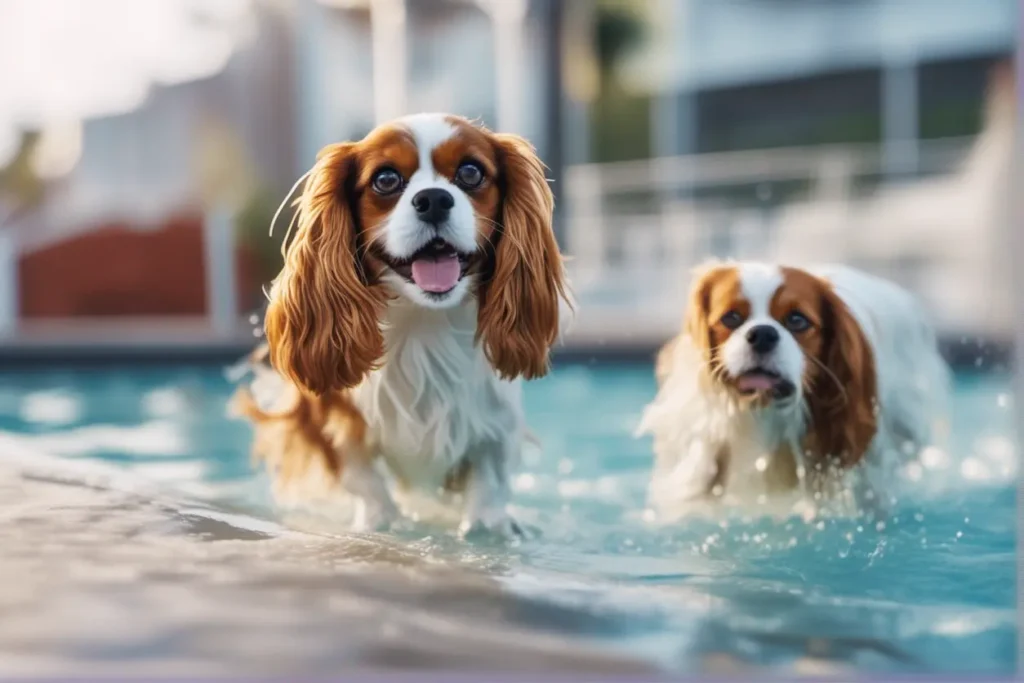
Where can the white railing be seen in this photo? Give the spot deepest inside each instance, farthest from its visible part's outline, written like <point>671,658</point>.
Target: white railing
<point>635,229</point>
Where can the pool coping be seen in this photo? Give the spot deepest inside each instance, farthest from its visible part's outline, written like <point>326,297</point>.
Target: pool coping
<point>976,354</point>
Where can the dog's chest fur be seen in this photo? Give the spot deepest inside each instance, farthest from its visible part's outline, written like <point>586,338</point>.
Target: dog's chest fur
<point>756,449</point>
<point>435,401</point>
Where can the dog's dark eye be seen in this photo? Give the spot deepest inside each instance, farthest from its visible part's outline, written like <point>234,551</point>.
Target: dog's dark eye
<point>386,181</point>
<point>796,322</point>
<point>469,175</point>
<point>732,319</point>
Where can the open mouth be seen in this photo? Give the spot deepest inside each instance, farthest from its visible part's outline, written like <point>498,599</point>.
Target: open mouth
<point>761,381</point>
<point>435,268</point>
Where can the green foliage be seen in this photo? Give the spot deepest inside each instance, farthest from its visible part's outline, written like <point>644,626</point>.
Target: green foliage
<point>252,225</point>
<point>618,28</point>
<point>620,119</point>
<point>19,183</point>
<point>621,126</point>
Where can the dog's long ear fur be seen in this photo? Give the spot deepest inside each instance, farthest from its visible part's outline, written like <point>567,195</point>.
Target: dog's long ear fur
<point>518,320</point>
<point>696,325</point>
<point>844,407</point>
<point>322,323</point>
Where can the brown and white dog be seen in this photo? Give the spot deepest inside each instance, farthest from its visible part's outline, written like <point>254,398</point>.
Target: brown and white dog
<point>422,283</point>
<point>784,380</point>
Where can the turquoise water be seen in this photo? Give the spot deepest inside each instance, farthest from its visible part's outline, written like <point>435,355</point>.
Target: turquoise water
<point>931,589</point>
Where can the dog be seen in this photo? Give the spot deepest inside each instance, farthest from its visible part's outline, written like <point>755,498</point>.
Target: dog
<point>423,284</point>
<point>786,380</point>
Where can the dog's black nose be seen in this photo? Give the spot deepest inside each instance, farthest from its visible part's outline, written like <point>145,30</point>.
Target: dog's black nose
<point>433,205</point>
<point>763,338</point>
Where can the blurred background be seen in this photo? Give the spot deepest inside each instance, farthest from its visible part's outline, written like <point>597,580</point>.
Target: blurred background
<point>144,147</point>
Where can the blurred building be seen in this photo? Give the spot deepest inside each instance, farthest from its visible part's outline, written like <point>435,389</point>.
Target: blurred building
<point>126,231</point>
<point>803,131</point>
<point>738,74</point>
<point>791,129</point>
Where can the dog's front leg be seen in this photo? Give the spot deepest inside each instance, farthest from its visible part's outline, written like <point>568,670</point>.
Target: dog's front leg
<point>487,495</point>
<point>374,508</point>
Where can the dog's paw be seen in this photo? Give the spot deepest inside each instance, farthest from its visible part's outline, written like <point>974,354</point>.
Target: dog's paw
<point>807,510</point>
<point>371,517</point>
<point>502,526</point>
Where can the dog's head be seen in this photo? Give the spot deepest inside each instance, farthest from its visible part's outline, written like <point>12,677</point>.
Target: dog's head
<point>777,338</point>
<point>433,209</point>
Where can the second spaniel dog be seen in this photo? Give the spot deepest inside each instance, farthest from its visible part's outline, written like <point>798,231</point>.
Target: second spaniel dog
<point>789,380</point>
<point>422,283</point>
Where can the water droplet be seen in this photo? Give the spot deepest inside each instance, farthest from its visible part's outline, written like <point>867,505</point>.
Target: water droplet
<point>1003,400</point>
<point>717,490</point>
<point>565,466</point>
<point>975,470</point>
<point>762,499</point>
<point>257,333</point>
<point>792,542</point>
<point>860,529</point>
<point>254,319</point>
<point>914,471</point>
<point>761,464</point>
<point>934,458</point>
<point>650,515</point>
<point>525,482</point>
<point>820,526</point>
<point>967,520</point>
<point>959,534</point>
<point>880,526</point>
<point>918,517</point>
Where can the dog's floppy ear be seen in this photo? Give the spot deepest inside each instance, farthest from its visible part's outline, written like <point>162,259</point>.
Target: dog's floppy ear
<point>843,408</point>
<point>518,320</point>
<point>322,323</point>
<point>696,325</point>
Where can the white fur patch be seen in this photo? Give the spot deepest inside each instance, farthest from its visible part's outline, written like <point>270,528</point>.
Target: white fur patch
<point>759,283</point>
<point>404,233</point>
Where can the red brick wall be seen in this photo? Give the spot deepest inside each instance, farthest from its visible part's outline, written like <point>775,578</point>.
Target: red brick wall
<point>118,271</point>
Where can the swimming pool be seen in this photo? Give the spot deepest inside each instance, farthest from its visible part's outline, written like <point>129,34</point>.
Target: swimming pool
<point>138,539</point>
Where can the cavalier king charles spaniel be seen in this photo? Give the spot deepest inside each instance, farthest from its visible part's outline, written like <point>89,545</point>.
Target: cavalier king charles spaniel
<point>787,381</point>
<point>423,282</point>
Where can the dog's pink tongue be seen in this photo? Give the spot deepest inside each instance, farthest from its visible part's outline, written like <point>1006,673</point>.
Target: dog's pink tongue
<point>436,275</point>
<point>755,382</point>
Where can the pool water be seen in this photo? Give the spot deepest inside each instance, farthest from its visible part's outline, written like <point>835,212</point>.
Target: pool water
<point>135,504</point>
